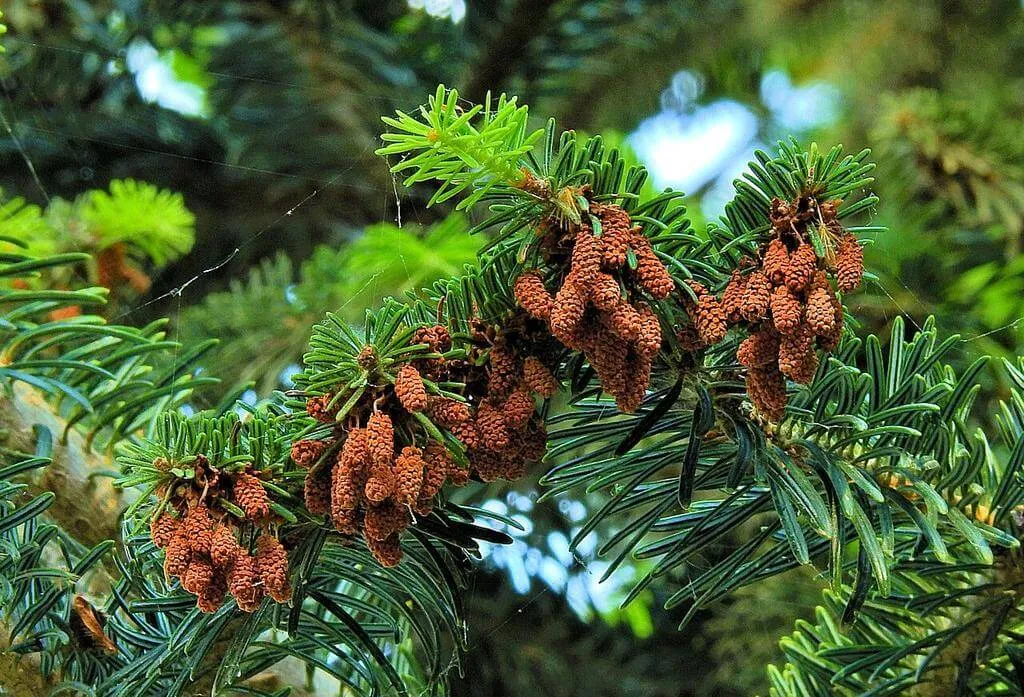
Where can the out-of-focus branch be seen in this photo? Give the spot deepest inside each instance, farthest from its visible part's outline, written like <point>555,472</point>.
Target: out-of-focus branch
<point>500,57</point>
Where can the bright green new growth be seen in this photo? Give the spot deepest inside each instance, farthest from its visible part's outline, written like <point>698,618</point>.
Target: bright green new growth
<point>469,151</point>
<point>152,223</point>
<point>153,220</point>
<point>384,259</point>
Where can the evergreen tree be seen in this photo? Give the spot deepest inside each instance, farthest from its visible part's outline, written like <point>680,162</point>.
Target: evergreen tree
<point>709,383</point>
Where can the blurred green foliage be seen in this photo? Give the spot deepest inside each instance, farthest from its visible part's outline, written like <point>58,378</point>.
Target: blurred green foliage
<point>258,345</point>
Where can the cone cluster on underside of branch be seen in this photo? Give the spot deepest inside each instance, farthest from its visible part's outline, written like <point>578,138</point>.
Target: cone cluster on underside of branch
<point>784,300</point>
<point>382,468</point>
<point>600,272</point>
<point>202,538</point>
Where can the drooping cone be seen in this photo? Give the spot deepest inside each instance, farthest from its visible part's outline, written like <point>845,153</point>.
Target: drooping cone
<point>800,270</point>
<point>409,389</point>
<point>532,296</point>
<point>787,312</point>
<point>272,562</point>
<point>251,497</point>
<point>223,547</point>
<point>775,261</point>
<point>162,528</point>
<point>756,297</point>
<point>409,467</point>
<point>759,349</point>
<point>538,378</point>
<point>380,438</point>
<point>849,264</point>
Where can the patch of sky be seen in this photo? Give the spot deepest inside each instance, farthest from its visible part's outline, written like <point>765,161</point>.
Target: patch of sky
<point>157,82</point>
<point>455,10</point>
<point>700,148</point>
<point>553,563</point>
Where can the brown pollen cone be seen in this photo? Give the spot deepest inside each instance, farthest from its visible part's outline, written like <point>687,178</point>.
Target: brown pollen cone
<point>212,596</point>
<point>767,390</point>
<point>616,234</point>
<point>385,520</point>
<point>436,337</point>
<point>638,377</point>
<point>251,497</point>
<point>800,270</point>
<point>381,483</point>
<point>409,467</point>
<point>272,562</point>
<point>567,313</point>
<point>787,312</point>
<point>434,475</point>
<point>243,582</point>
<point>468,434</point>
<point>380,438</point>
<point>162,528</point>
<point>609,360</point>
<point>492,427</point>
<point>409,389</point>
<point>793,350</point>
<point>224,547</point>
<point>387,552</point>
<point>586,257</point>
<point>356,449</point>
<point>305,453</point>
<point>710,319</point>
<point>831,340</point>
<point>732,298</point>
<point>756,297</point>
<point>805,372</point>
<point>345,493</point>
<point>849,264</point>
<point>316,491</point>
<point>198,575</point>
<point>447,412</point>
<point>821,314</point>
<point>538,378</point>
<point>532,296</point>
<point>457,474</point>
<point>504,370</point>
<point>625,322</point>
<point>487,464</point>
<point>649,342</point>
<point>605,292</point>
<point>651,272</point>
<point>198,529</point>
<point>319,408</point>
<point>178,554</point>
<point>518,409</point>
<point>759,349</point>
<point>775,261</point>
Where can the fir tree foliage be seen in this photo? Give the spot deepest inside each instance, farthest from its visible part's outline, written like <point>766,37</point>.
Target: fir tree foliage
<point>872,473</point>
<point>880,455</point>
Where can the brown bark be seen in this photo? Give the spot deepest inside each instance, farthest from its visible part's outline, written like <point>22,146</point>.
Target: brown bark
<point>87,505</point>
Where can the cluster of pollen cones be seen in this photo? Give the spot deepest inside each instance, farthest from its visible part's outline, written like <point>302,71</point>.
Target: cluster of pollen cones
<point>602,271</point>
<point>385,460</point>
<point>380,470</point>
<point>784,300</point>
<point>201,539</point>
